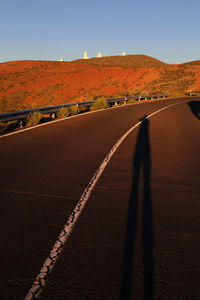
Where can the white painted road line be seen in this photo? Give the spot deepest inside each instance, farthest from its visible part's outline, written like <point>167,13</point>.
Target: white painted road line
<point>50,261</point>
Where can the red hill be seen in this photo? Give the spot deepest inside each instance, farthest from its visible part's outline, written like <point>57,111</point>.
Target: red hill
<point>26,84</point>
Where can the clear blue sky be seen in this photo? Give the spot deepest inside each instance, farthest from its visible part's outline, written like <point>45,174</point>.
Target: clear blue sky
<point>168,30</point>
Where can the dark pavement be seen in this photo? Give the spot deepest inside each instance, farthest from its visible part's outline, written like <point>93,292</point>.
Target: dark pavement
<point>139,234</point>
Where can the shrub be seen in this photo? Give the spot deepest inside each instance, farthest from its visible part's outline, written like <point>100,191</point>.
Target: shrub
<point>33,119</point>
<point>176,94</point>
<point>3,127</point>
<point>100,103</point>
<point>63,112</point>
<point>8,126</point>
<point>132,101</point>
<point>83,108</point>
<point>74,110</point>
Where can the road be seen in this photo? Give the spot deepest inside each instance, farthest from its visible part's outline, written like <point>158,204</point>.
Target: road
<point>138,236</point>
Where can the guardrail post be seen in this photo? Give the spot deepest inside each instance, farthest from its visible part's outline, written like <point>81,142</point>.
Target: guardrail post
<point>116,103</point>
<point>53,116</point>
<point>125,100</point>
<point>21,123</point>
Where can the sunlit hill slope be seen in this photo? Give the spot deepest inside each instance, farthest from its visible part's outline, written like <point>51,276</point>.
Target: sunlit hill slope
<point>27,84</point>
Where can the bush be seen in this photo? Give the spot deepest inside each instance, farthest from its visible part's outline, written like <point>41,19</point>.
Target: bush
<point>8,126</point>
<point>74,110</point>
<point>132,101</point>
<point>176,94</point>
<point>83,108</point>
<point>63,112</point>
<point>100,103</point>
<point>33,119</point>
<point>3,127</point>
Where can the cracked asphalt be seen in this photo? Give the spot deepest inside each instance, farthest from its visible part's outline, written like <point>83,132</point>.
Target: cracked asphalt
<point>138,236</point>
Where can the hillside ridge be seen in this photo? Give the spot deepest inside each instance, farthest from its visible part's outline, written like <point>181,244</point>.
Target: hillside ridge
<point>127,61</point>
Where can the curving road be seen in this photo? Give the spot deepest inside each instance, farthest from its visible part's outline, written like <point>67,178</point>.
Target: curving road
<point>138,237</point>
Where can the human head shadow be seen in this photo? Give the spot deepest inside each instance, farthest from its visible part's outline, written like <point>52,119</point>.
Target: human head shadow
<point>141,171</point>
<point>195,108</point>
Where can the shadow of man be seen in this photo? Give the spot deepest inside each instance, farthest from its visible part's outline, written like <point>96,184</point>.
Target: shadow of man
<point>141,162</point>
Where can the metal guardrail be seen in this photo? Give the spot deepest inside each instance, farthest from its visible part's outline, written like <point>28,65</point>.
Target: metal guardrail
<point>53,109</point>
<point>197,94</point>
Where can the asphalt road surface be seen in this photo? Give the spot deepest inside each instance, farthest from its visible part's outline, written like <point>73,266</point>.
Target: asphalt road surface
<point>138,236</point>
